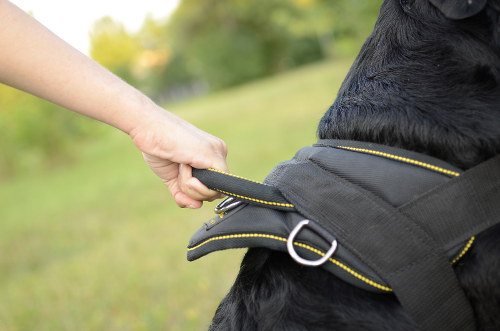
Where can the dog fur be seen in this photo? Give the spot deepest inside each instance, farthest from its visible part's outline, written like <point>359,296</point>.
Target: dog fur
<point>422,82</point>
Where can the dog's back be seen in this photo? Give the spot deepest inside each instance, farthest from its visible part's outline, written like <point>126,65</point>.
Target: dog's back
<point>422,82</point>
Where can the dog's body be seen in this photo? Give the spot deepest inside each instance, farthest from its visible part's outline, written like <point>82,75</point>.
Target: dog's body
<point>421,82</point>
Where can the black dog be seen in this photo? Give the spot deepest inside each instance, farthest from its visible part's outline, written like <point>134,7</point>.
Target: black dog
<point>426,80</point>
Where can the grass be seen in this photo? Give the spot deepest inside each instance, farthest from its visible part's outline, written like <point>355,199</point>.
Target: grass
<point>100,245</point>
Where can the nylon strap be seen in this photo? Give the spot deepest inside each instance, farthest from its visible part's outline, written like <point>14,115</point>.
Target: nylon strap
<point>247,190</point>
<point>451,216</point>
<point>397,249</point>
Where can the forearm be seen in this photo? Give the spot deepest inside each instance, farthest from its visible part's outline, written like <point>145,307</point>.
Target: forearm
<point>34,60</point>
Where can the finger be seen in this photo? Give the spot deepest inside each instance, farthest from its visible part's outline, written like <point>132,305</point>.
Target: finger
<point>193,187</point>
<point>184,201</point>
<point>180,198</point>
<point>220,164</point>
<point>212,157</point>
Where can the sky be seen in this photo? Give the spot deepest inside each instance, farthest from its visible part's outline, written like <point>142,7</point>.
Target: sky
<point>72,20</point>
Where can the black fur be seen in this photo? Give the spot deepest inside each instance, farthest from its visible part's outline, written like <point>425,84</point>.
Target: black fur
<point>422,82</point>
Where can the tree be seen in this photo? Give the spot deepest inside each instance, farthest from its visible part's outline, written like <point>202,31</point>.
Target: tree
<point>222,43</point>
<point>114,48</point>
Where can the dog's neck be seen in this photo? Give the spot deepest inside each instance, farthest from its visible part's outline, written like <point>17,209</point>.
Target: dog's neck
<point>417,88</point>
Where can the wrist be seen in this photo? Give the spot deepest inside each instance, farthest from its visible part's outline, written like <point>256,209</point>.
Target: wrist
<point>152,128</point>
<point>138,111</point>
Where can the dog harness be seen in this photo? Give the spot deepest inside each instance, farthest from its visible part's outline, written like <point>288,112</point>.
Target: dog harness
<point>380,218</point>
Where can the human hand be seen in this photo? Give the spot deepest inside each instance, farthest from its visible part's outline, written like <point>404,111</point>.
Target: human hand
<point>171,146</point>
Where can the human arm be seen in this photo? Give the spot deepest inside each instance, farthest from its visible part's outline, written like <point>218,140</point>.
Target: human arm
<point>35,60</point>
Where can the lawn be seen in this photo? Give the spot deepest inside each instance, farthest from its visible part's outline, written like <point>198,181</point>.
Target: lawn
<point>99,245</point>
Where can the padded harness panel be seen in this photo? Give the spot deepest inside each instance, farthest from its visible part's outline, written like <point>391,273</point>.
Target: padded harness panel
<point>401,219</point>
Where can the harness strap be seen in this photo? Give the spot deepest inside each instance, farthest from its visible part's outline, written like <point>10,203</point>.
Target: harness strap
<point>451,216</point>
<point>243,189</point>
<point>416,269</point>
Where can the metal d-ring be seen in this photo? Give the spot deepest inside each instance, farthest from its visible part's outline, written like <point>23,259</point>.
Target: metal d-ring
<point>320,231</point>
<point>227,205</point>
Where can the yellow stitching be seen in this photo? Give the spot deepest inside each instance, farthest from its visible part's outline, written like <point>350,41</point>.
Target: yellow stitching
<point>360,277</point>
<point>346,268</point>
<point>312,249</point>
<point>404,159</point>
<point>231,236</point>
<point>257,200</point>
<point>466,248</point>
<point>228,174</point>
<point>317,251</point>
<point>248,198</point>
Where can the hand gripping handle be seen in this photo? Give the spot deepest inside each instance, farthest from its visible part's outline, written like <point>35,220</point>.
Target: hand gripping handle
<point>243,189</point>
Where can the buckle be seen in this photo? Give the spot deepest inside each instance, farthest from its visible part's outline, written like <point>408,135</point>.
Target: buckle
<point>318,230</point>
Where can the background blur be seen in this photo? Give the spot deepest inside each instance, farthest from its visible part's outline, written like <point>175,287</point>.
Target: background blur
<point>89,238</point>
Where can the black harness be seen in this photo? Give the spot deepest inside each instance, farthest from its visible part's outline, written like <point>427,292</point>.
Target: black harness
<point>380,218</point>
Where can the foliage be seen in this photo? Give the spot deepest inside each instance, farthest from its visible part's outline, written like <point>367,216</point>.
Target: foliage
<point>114,47</point>
<point>222,43</point>
<point>35,133</point>
<point>230,42</point>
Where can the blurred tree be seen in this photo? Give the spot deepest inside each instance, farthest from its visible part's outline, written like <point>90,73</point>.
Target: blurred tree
<point>114,48</point>
<point>221,43</point>
<point>150,62</point>
<point>36,133</point>
<point>227,42</point>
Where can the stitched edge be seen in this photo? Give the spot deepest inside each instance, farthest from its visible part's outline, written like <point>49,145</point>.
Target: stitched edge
<point>403,159</point>
<point>464,250</point>
<point>317,251</point>
<point>235,176</point>
<point>232,236</point>
<point>346,268</point>
<point>273,203</point>
<point>312,249</point>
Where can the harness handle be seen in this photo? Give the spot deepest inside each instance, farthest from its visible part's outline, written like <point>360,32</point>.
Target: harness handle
<point>243,189</point>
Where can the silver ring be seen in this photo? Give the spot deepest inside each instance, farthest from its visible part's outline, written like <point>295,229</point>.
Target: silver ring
<point>297,258</point>
<point>226,205</point>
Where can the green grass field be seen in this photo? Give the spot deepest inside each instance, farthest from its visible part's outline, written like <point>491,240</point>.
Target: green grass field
<point>99,245</point>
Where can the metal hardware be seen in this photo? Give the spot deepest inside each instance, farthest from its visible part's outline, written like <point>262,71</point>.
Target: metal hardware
<point>227,205</point>
<point>320,231</point>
